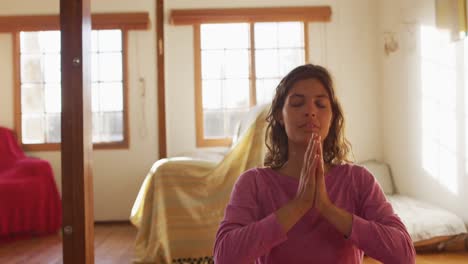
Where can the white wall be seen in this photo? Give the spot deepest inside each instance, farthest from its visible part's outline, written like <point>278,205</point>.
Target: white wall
<point>347,46</point>
<point>118,174</point>
<point>402,84</point>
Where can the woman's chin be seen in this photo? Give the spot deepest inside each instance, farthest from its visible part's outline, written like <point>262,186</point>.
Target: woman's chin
<point>304,140</point>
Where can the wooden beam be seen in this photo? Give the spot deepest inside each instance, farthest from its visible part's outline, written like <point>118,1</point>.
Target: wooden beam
<point>161,80</point>
<point>238,15</point>
<point>125,21</point>
<point>77,180</point>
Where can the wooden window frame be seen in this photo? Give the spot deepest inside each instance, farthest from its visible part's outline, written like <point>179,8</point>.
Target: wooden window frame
<point>196,17</point>
<point>127,22</point>
<point>239,15</point>
<point>201,141</point>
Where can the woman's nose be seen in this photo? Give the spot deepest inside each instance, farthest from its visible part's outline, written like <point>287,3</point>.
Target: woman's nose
<point>311,111</point>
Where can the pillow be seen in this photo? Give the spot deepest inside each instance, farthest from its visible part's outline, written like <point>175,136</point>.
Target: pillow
<point>381,172</point>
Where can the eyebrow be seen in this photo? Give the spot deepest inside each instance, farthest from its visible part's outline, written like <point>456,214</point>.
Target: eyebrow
<point>302,96</point>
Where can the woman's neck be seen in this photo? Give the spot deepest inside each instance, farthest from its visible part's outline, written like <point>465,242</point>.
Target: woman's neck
<point>293,165</point>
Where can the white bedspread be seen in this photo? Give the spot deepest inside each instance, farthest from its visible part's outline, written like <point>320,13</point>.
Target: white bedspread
<point>425,221</point>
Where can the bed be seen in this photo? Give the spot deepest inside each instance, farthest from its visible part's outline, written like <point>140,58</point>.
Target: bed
<point>430,227</point>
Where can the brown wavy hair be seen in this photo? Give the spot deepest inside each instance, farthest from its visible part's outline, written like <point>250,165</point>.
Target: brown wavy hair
<point>336,148</point>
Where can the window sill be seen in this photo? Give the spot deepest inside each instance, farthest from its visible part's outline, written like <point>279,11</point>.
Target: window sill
<point>57,146</point>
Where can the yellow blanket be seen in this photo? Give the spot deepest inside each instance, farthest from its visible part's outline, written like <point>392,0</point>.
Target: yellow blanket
<point>182,201</point>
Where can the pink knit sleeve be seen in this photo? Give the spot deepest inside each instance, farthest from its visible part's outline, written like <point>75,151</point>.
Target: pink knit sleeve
<point>242,237</point>
<point>376,229</point>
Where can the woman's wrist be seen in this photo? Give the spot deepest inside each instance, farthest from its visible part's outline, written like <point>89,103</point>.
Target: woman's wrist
<point>325,207</point>
<point>341,219</point>
<point>301,206</point>
<point>291,213</point>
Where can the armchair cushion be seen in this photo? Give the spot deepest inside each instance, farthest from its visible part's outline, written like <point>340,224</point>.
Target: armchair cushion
<point>29,200</point>
<point>10,151</point>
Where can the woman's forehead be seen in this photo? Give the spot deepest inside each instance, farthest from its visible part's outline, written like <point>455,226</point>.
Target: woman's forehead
<point>309,88</point>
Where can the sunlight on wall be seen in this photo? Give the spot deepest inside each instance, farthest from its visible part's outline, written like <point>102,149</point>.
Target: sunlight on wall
<point>439,126</point>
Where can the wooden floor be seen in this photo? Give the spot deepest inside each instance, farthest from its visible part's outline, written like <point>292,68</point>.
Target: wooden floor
<point>114,245</point>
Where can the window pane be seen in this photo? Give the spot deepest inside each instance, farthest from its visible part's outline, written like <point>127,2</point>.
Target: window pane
<point>53,131</point>
<point>236,93</point>
<point>53,98</point>
<point>110,40</point>
<point>290,59</point>
<point>29,42</point>
<point>111,126</point>
<point>110,67</point>
<point>97,120</point>
<point>237,64</point>
<point>31,68</point>
<point>95,107</point>
<point>213,124</point>
<point>266,35</point>
<point>233,117</point>
<point>224,36</point>
<point>32,99</point>
<point>94,67</point>
<point>94,40</point>
<point>41,85</point>
<point>212,64</point>
<point>50,41</point>
<point>291,34</point>
<point>33,129</point>
<point>107,127</point>
<point>212,94</point>
<point>266,90</point>
<point>52,68</point>
<point>266,62</point>
<point>111,97</point>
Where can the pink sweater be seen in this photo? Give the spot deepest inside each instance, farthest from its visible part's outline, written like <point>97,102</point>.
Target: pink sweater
<point>251,232</point>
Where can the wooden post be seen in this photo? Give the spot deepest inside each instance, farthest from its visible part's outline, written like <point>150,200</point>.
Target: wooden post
<point>77,181</point>
<point>161,81</point>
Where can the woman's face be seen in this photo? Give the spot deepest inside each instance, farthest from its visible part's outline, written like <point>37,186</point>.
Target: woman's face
<point>307,109</point>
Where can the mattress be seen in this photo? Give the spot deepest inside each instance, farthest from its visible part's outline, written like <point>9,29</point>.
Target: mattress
<point>425,221</point>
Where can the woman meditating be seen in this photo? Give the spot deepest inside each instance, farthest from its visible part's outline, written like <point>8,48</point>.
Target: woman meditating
<point>309,204</point>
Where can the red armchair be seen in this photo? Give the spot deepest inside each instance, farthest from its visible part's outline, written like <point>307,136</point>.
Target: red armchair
<point>29,200</point>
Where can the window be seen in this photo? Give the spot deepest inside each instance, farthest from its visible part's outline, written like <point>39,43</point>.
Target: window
<point>239,65</point>
<point>39,82</point>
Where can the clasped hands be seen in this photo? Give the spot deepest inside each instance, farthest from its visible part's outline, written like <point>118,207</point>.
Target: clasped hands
<point>312,192</point>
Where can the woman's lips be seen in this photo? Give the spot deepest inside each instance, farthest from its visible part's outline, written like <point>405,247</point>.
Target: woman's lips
<point>310,127</point>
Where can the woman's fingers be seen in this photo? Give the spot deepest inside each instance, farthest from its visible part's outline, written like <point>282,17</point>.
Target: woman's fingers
<point>314,148</point>
<point>309,152</point>
<point>320,155</point>
<point>313,170</point>
<point>305,164</point>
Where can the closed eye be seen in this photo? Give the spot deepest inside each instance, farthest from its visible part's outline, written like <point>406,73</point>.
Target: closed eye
<point>320,104</point>
<point>296,100</point>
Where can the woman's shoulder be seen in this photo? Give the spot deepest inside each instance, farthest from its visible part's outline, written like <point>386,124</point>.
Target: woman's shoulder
<point>355,172</point>
<point>256,176</point>
<point>250,176</point>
